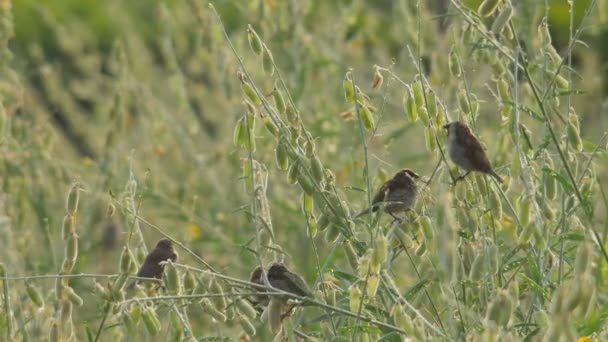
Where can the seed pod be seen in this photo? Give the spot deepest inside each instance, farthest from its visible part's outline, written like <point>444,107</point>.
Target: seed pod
<point>171,278</point>
<point>307,203</point>
<point>176,325</point>
<point>354,296</point>
<point>423,115</point>
<point>73,296</point>
<point>525,235</point>
<point>189,282</point>
<point>524,210</point>
<point>267,61</point>
<point>378,79</point>
<point>351,255</point>
<point>379,254</point>
<point>54,334</point>
<point>493,257</point>
<point>120,281</point>
<point>239,136</point>
<point>561,83</point>
<point>216,288</point>
<point>332,233</point>
<point>463,101</point>
<point>502,19</point>
<point>305,183</point>
<point>418,94</point>
<point>275,308</point>
<point>582,259</point>
<point>322,222</point>
<point>270,126</point>
<point>429,138</point>
<point>495,203</point>
<point>427,228</point>
<point>69,227</point>
<point>128,323</point>
<point>410,106</point>
<point>292,173</point>
<point>500,309</point>
<point>402,320</point>
<point>250,92</point>
<point>254,40</point>
<point>282,156</point>
<point>151,321</point>
<point>125,260</point>
<point>372,285</point>
<point>363,264</point>
<point>487,7</point>
<point>34,294</point>
<point>279,101</point>
<point>366,116</point>
<point>246,309</point>
<point>503,89</point>
<point>71,249</point>
<point>478,268</point>
<point>316,167</point>
<point>71,204</point>
<point>454,64</point>
<point>574,136</point>
<point>421,248</point>
<point>246,325</point>
<point>431,105</point>
<point>349,90</point>
<point>66,312</point>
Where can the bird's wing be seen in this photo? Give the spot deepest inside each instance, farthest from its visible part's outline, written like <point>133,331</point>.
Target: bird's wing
<point>381,194</point>
<point>478,157</point>
<point>299,285</point>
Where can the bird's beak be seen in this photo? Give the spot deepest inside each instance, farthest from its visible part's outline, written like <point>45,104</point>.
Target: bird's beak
<point>446,126</point>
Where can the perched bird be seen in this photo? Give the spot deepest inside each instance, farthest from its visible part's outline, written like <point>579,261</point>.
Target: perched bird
<point>398,194</point>
<point>257,277</point>
<point>151,268</point>
<point>281,278</point>
<point>466,151</point>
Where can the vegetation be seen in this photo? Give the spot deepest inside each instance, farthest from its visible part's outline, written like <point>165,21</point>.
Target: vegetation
<point>251,132</point>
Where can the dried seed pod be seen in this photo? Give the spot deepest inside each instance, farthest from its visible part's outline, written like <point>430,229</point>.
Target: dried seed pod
<point>354,296</point>
<point>69,227</point>
<point>71,248</point>
<point>410,106</point>
<point>71,204</point>
<point>267,61</point>
<point>151,321</point>
<point>34,294</point>
<point>502,20</point>
<point>254,40</point>
<point>378,79</point>
<point>274,310</point>
<point>73,296</point>
<point>487,7</point>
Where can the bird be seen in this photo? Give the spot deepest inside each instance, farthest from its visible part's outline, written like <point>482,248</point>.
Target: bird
<point>398,194</point>
<point>283,279</point>
<point>151,267</point>
<point>257,277</point>
<point>466,151</point>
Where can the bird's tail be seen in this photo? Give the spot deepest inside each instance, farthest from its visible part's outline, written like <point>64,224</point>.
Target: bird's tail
<point>495,175</point>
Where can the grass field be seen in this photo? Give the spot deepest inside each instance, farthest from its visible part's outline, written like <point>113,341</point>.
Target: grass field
<point>252,132</point>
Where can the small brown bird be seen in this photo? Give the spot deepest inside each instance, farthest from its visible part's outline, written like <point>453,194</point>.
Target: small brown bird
<point>151,268</point>
<point>398,194</point>
<point>281,278</point>
<point>466,151</point>
<point>256,277</point>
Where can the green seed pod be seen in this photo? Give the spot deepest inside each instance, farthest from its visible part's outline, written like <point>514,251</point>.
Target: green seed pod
<point>71,204</point>
<point>246,309</point>
<point>292,173</point>
<point>282,156</point>
<point>454,64</point>
<point>128,323</point>
<point>125,260</point>
<point>493,257</point>
<point>478,268</point>
<point>316,167</point>
<point>502,20</point>
<point>431,104</point>
<point>250,92</point>
<point>503,89</point>
<point>279,101</point>
<point>151,321</point>
<point>254,40</point>
<point>307,203</point>
<point>427,228</point>
<point>171,278</point>
<point>349,90</point>
<point>372,285</point>
<point>120,281</point>
<point>429,138</point>
<point>69,227</point>
<point>495,203</point>
<point>351,254</point>
<point>561,83</point>
<point>246,325</point>
<point>270,126</point>
<point>379,254</point>
<point>54,334</point>
<point>177,328</point>
<point>73,296</point>
<point>401,319</point>
<point>305,183</point>
<point>463,101</point>
<point>354,297</point>
<point>525,235</point>
<point>267,61</point>
<point>524,210</point>
<point>211,310</point>
<point>410,106</point>
<point>582,259</point>
<point>71,248</point>
<point>500,309</point>
<point>418,94</point>
<point>34,294</point>
<point>366,117</point>
<point>574,136</point>
<point>239,135</point>
<point>275,308</point>
<point>189,282</point>
<point>424,116</point>
<point>487,7</point>
<point>363,265</point>
<point>421,248</point>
